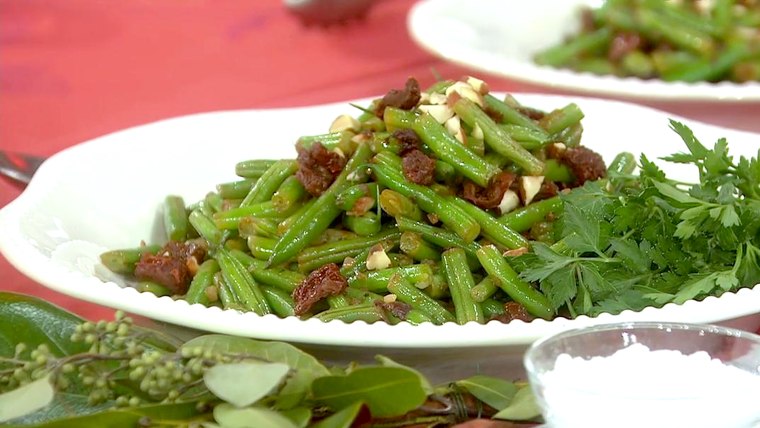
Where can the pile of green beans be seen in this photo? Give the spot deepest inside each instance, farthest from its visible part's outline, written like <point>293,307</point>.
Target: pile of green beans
<point>265,233</point>
<point>674,41</point>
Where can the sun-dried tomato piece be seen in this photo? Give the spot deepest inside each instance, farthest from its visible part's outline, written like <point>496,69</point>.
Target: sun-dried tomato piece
<point>408,139</point>
<point>405,99</point>
<point>586,164</point>
<point>318,168</point>
<point>488,197</point>
<point>321,283</point>
<point>418,167</point>
<point>514,311</point>
<point>173,266</point>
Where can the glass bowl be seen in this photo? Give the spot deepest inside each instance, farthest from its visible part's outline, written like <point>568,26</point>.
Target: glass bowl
<point>640,374</point>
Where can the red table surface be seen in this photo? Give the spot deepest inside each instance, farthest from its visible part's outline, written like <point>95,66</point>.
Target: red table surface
<point>77,69</point>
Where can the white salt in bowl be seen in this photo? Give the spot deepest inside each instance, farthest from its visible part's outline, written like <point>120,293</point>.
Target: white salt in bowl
<point>647,374</point>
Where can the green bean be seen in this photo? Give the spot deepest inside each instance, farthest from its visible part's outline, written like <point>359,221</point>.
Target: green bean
<point>335,252</point>
<point>570,136</point>
<point>657,25</point>
<point>400,259</point>
<point>439,288</point>
<point>583,44</point>
<point>291,219</point>
<point>334,235</point>
<point>230,219</point>
<point>440,237</point>
<point>461,282</point>
<point>330,141</point>
<point>268,183</point>
<point>205,227</point>
<point>283,279</point>
<point>496,138</point>
<point>444,172</point>
<point>358,199</point>
<point>639,64</point>
<point>395,118</point>
<point>599,66</point>
<point>453,217</point>
<point>528,138</point>
<point>367,312</point>
<point>562,118</point>
<point>372,124</point>
<point>265,227</point>
<point>451,151</point>
<point>364,225</point>
<point>290,193</point>
<point>492,308</point>
<point>520,291</point>
<point>398,205</point>
<point>418,300</point>
<point>709,70</point>
<point>203,279</point>
<point>421,275</point>
<point>319,215</point>
<point>241,283</point>
<point>623,163</point>
<point>175,218</point>
<point>235,189</point>
<point>417,317</point>
<point>493,230</point>
<point>253,168</point>
<point>153,288</point>
<point>260,247</point>
<point>558,172</point>
<point>123,261</point>
<point>523,218</point>
<point>279,301</point>
<point>510,115</point>
<point>338,301</point>
<point>226,297</point>
<point>484,289</point>
<point>412,244</point>
<point>215,202</point>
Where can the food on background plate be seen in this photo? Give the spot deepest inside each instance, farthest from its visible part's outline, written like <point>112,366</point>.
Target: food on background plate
<point>452,205</point>
<point>686,40</point>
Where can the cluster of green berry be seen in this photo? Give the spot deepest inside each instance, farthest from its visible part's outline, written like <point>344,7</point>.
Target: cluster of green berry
<point>120,363</point>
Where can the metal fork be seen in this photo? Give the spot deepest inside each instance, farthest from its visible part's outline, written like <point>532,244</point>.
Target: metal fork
<point>19,167</point>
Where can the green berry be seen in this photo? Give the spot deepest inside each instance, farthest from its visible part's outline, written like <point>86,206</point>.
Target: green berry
<point>134,401</point>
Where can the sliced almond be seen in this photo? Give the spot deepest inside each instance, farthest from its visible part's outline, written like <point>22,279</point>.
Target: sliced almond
<point>378,260</point>
<point>453,125</point>
<point>509,201</point>
<point>480,86</point>
<point>389,298</point>
<point>425,98</point>
<point>477,132</point>
<point>560,146</point>
<point>463,90</point>
<point>516,252</point>
<point>339,152</point>
<point>530,185</point>
<point>345,122</point>
<point>440,112</point>
<point>436,98</point>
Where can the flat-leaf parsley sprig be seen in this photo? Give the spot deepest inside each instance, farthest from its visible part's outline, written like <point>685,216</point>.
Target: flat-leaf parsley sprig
<point>633,241</point>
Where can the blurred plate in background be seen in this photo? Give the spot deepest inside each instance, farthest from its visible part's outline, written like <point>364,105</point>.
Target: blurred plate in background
<point>501,37</point>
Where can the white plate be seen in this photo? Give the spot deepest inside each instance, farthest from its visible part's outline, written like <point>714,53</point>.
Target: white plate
<point>105,194</point>
<point>501,37</point>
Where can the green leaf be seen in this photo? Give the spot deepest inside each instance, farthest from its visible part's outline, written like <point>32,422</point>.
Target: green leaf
<point>699,285</point>
<point>245,383</point>
<point>228,416</point>
<point>586,230</point>
<point>387,391</point>
<point>34,322</point>
<point>342,419</point>
<point>695,147</point>
<point>26,399</point>
<point>676,194</point>
<point>633,255</point>
<point>305,367</point>
<point>169,414</point>
<point>522,408</point>
<point>387,362</point>
<point>497,393</point>
<point>300,416</point>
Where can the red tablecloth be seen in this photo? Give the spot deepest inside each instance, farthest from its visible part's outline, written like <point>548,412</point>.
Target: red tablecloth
<point>76,69</point>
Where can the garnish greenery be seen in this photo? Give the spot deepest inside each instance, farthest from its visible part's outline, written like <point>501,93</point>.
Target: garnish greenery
<point>57,370</point>
<point>633,241</point>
